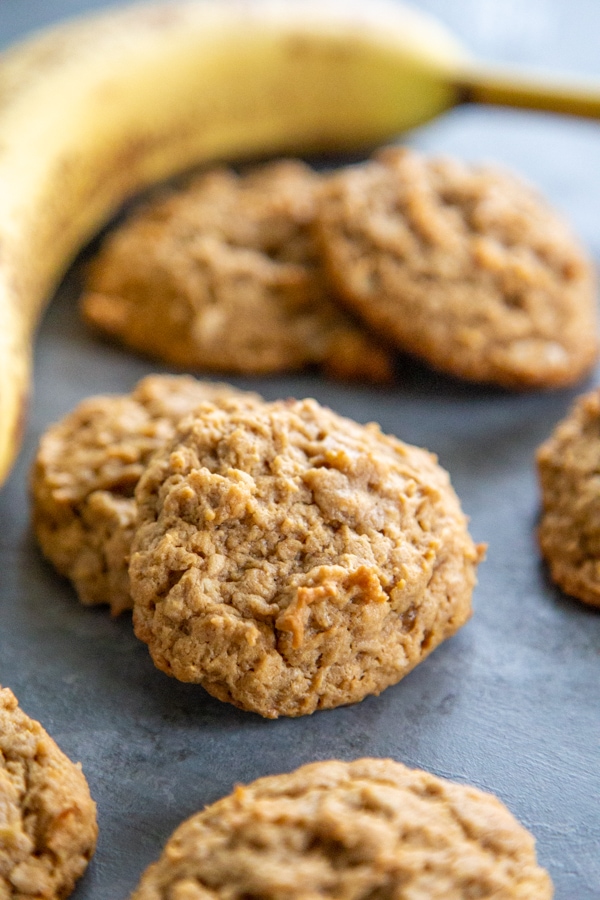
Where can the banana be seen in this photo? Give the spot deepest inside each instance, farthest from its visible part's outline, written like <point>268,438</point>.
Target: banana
<point>95,109</point>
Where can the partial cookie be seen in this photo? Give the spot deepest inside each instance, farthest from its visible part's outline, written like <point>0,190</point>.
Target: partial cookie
<point>369,828</point>
<point>47,818</point>
<point>85,472</point>
<point>223,276</point>
<point>464,266</point>
<point>569,472</point>
<point>289,559</point>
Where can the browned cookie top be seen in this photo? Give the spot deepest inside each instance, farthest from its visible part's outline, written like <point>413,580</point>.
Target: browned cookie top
<point>569,471</point>
<point>47,817</point>
<point>289,559</point>
<point>223,275</point>
<point>462,265</point>
<point>85,472</point>
<point>348,831</point>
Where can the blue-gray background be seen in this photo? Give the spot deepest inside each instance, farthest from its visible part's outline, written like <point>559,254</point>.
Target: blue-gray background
<point>510,704</point>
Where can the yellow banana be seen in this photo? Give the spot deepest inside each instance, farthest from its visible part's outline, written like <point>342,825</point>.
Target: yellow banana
<point>94,110</point>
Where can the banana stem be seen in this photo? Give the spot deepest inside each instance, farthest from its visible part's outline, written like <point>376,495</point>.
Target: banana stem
<point>527,90</point>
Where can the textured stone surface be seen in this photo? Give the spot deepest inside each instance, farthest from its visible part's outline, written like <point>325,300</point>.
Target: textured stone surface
<point>510,704</point>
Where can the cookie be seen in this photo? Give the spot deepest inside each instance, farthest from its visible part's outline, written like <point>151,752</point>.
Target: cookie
<point>464,266</point>
<point>85,472</point>
<point>223,276</point>
<point>289,559</point>
<point>368,828</point>
<point>47,818</point>
<point>569,473</point>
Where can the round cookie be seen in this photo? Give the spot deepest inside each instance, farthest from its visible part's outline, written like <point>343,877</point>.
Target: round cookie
<point>369,828</point>
<point>464,266</point>
<point>223,276</point>
<point>289,559</point>
<point>47,818</point>
<point>569,472</point>
<point>85,472</point>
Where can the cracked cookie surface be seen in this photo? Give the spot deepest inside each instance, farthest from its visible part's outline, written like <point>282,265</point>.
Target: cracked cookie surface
<point>569,472</point>
<point>47,818</point>
<point>85,472</point>
<point>223,276</point>
<point>289,559</point>
<point>369,828</point>
<point>464,266</point>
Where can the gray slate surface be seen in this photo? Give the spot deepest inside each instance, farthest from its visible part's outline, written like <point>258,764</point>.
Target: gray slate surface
<point>510,704</point>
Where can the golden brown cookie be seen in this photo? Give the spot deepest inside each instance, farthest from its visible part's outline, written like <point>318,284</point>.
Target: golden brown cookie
<point>289,559</point>
<point>370,828</point>
<point>569,473</point>
<point>223,276</point>
<point>85,472</point>
<point>464,266</point>
<point>47,818</point>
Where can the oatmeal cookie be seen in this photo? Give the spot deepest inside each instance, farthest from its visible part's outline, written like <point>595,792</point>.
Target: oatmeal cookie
<point>369,828</point>
<point>464,266</point>
<point>85,472</point>
<point>569,473</point>
<point>223,276</point>
<point>289,559</point>
<point>47,818</point>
